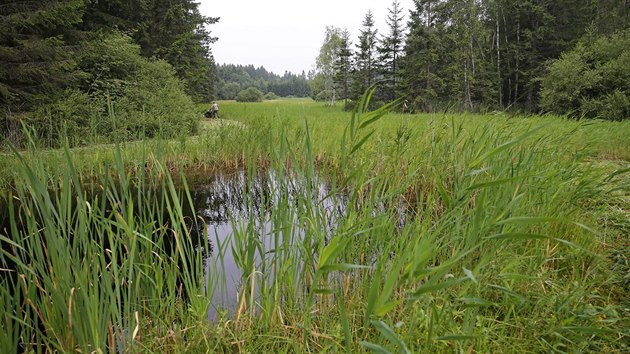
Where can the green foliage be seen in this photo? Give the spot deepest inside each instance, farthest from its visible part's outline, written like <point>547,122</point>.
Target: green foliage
<point>250,94</point>
<point>228,91</point>
<point>269,96</point>
<point>592,80</point>
<point>67,71</point>
<point>390,50</point>
<point>73,115</point>
<point>433,233</point>
<point>324,96</point>
<point>344,66</point>
<point>366,59</point>
<point>130,97</point>
<point>174,31</point>
<point>479,55</point>
<point>35,61</point>
<point>111,248</point>
<point>233,78</point>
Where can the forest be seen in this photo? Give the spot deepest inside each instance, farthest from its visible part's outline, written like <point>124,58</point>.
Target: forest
<point>100,71</point>
<point>568,57</point>
<point>232,79</point>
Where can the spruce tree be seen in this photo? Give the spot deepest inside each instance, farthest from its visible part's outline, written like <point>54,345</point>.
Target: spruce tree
<point>343,66</point>
<point>391,48</point>
<point>365,57</point>
<point>35,57</point>
<point>421,81</point>
<point>173,30</point>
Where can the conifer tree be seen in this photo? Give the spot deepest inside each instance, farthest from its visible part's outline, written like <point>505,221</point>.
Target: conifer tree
<point>343,66</point>
<point>421,82</point>
<point>173,30</point>
<point>365,58</point>
<point>35,58</point>
<point>391,48</point>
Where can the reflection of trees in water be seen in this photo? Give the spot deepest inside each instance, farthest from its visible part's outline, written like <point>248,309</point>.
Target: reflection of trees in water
<point>237,196</point>
<point>230,196</point>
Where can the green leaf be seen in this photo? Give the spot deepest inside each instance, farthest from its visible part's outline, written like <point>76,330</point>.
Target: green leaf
<point>455,337</point>
<point>361,142</point>
<point>435,287</point>
<point>502,147</point>
<point>498,182</point>
<point>527,220</point>
<point>334,248</point>
<point>520,236</point>
<point>587,330</point>
<point>391,336</point>
<point>374,347</point>
<point>475,301</point>
<point>384,309</point>
<point>342,267</point>
<point>470,275</point>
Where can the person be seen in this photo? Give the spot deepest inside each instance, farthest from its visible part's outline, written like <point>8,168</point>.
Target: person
<point>215,110</point>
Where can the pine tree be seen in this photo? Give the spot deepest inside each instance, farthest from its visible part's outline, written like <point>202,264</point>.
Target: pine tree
<point>468,43</point>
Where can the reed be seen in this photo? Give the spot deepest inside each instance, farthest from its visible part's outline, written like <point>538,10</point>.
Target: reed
<point>378,232</point>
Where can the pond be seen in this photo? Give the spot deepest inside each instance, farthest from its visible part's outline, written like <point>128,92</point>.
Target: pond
<point>236,208</point>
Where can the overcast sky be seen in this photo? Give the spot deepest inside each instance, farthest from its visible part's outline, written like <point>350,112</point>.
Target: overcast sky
<point>286,34</point>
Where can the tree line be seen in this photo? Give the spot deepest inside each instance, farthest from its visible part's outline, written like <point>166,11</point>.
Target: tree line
<point>479,55</point>
<point>233,79</point>
<point>102,69</point>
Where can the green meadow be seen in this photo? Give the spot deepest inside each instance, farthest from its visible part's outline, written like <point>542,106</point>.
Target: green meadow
<point>456,233</point>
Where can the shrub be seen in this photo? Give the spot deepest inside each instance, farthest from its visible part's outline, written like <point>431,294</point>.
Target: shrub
<point>592,80</point>
<point>72,115</point>
<point>250,94</point>
<point>228,91</point>
<point>270,96</point>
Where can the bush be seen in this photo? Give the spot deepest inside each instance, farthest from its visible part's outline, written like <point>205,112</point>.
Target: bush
<point>73,115</point>
<point>250,94</point>
<point>270,96</point>
<point>592,80</point>
<point>228,91</point>
<point>120,96</point>
<point>137,97</point>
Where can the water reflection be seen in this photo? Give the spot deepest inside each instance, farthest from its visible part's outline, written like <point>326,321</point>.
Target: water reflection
<point>236,201</point>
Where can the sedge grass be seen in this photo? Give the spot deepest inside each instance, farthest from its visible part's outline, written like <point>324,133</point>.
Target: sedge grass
<point>457,233</point>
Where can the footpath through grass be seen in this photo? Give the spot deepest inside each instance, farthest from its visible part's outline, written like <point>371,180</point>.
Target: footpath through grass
<point>459,233</point>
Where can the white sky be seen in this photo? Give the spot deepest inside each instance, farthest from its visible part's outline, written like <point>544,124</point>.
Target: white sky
<point>286,34</point>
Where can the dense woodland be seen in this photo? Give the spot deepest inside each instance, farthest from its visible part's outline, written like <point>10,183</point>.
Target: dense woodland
<point>566,57</point>
<point>102,70</point>
<point>232,79</point>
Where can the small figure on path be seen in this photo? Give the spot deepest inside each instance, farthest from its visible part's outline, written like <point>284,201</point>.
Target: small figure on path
<point>215,110</point>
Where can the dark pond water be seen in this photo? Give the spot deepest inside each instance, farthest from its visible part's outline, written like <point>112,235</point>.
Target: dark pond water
<point>232,203</point>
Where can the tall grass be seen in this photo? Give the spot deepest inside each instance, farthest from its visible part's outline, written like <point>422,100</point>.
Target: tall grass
<point>433,234</point>
<point>90,268</point>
